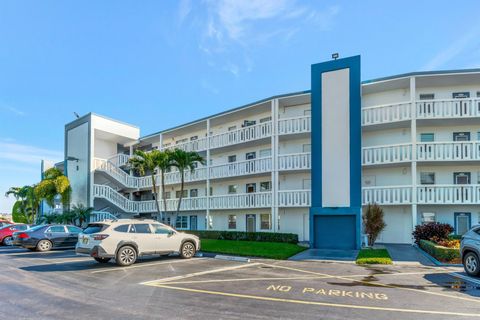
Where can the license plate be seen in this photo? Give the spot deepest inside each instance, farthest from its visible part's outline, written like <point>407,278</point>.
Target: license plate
<point>85,240</point>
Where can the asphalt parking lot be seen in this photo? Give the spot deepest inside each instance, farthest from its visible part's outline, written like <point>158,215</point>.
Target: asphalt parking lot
<point>62,285</point>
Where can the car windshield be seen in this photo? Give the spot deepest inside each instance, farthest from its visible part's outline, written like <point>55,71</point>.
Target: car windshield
<point>95,228</point>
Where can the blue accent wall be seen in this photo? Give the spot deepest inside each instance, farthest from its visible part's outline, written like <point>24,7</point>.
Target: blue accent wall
<point>355,208</point>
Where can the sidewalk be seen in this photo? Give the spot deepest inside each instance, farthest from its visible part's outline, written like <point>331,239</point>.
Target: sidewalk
<point>406,254</point>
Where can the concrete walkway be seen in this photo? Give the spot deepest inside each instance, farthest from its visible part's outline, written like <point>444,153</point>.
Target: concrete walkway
<point>406,254</point>
<point>325,254</point>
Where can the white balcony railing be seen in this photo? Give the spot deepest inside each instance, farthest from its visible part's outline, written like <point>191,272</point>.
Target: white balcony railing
<point>444,151</point>
<point>240,201</point>
<point>114,171</point>
<point>119,159</point>
<point>386,113</point>
<point>448,194</point>
<point>294,125</point>
<point>387,195</point>
<point>294,198</point>
<point>249,133</point>
<point>448,108</point>
<point>241,168</point>
<point>192,145</point>
<point>387,154</point>
<point>294,161</point>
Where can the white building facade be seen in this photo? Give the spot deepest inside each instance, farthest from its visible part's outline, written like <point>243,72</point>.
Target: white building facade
<point>420,160</point>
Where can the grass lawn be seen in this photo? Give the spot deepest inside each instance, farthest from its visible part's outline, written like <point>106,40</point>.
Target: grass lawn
<point>374,256</point>
<point>271,250</point>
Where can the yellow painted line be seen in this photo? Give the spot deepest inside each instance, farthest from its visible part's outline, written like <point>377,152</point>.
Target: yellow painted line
<point>142,265</point>
<point>377,284</point>
<point>325,304</point>
<point>201,273</point>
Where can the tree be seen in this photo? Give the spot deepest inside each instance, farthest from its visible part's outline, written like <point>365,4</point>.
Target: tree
<point>373,222</point>
<point>164,163</point>
<point>26,207</point>
<point>184,160</point>
<point>148,162</point>
<point>81,214</point>
<point>54,183</point>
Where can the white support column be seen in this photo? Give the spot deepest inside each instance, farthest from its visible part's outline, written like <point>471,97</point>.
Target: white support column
<point>274,155</point>
<point>160,190</point>
<point>207,218</point>
<point>413,133</point>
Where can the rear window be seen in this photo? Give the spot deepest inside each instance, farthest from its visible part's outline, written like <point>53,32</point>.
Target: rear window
<point>21,227</point>
<point>95,228</point>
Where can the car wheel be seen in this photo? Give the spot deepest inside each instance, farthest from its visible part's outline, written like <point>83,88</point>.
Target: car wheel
<point>471,264</point>
<point>44,245</point>
<point>102,260</point>
<point>187,250</point>
<point>7,241</point>
<point>126,256</point>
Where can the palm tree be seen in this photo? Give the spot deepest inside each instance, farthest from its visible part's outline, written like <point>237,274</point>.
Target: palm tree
<point>147,162</point>
<point>164,163</point>
<point>26,207</point>
<point>54,183</point>
<point>81,213</point>
<point>184,160</point>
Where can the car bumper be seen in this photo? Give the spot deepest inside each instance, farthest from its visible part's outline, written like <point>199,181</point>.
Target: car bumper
<point>96,252</point>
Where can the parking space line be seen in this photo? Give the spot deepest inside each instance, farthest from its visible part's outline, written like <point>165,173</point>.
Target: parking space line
<point>34,252</point>
<point>325,304</point>
<point>200,273</point>
<point>377,284</point>
<point>246,279</point>
<point>466,278</point>
<point>145,265</point>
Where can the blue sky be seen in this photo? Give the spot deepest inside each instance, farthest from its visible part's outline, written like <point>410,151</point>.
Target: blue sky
<point>157,64</point>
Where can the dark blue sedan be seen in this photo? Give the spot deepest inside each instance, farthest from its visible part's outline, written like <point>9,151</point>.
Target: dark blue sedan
<point>47,237</point>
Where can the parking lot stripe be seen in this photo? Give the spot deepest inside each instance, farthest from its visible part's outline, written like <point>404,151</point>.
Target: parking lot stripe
<point>34,252</point>
<point>466,278</point>
<point>200,273</point>
<point>377,283</point>
<point>325,304</point>
<point>246,279</point>
<point>145,265</point>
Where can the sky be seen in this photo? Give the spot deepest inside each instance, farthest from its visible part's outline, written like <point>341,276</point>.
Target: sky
<point>157,64</point>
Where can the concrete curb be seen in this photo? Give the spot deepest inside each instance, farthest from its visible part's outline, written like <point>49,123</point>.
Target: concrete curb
<point>223,257</point>
<point>435,261</point>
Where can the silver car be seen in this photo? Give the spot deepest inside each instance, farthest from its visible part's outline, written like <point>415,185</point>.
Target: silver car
<point>470,251</point>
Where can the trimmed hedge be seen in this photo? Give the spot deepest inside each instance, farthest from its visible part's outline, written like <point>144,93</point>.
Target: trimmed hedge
<point>440,253</point>
<point>246,236</point>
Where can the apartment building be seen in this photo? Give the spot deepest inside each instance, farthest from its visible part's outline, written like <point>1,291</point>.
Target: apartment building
<point>420,158</point>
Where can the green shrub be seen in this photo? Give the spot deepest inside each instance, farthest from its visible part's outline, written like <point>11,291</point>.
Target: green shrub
<point>373,256</point>
<point>430,230</point>
<point>438,252</point>
<point>246,236</point>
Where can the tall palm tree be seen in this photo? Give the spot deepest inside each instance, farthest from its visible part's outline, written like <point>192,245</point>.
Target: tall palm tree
<point>54,183</point>
<point>26,207</point>
<point>184,160</point>
<point>148,162</point>
<point>164,163</point>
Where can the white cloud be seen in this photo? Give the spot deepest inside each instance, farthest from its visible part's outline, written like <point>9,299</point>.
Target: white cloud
<point>184,9</point>
<point>11,109</point>
<point>26,154</point>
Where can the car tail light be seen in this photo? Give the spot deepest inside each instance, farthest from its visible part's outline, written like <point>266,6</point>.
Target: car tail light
<point>23,235</point>
<point>100,236</point>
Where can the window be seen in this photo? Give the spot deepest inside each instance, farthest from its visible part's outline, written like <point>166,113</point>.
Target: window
<point>251,187</point>
<point>265,119</point>
<point>247,123</point>
<point>182,222</point>
<point>73,229</point>
<point>122,228</point>
<point>265,221</point>
<point>265,153</point>
<point>140,228</point>
<point>195,165</point>
<point>250,155</point>
<point>427,96</point>
<point>307,148</point>
<point>193,138</point>
<point>232,158</point>
<point>178,193</point>
<point>95,228</point>
<point>168,195</point>
<point>193,193</point>
<point>427,177</point>
<point>232,188</point>
<point>21,227</point>
<point>159,229</point>
<point>232,221</point>
<point>427,137</point>
<point>232,128</point>
<point>307,112</point>
<point>181,141</point>
<point>265,186</point>
<point>428,217</point>
<point>478,136</point>
<point>478,182</point>
<point>56,229</point>
<point>460,95</point>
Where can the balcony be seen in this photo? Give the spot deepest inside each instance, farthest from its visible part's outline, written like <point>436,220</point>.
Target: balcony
<point>294,125</point>
<point>448,194</point>
<point>448,151</point>
<point>114,171</point>
<point>448,108</point>
<point>241,168</point>
<point>249,133</point>
<point>192,145</point>
<point>242,201</point>
<point>294,161</point>
<point>294,198</point>
<point>387,195</point>
<point>387,113</point>
<point>119,159</point>
<point>386,154</point>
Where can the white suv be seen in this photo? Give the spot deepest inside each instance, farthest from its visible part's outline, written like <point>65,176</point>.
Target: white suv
<point>127,239</point>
